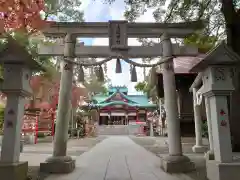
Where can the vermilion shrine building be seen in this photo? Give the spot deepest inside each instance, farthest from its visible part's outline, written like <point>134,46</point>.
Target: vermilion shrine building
<point>120,108</point>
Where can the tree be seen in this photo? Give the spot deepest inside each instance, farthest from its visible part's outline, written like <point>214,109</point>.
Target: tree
<point>147,89</point>
<point>30,16</point>
<point>94,86</point>
<point>67,10</point>
<point>141,86</point>
<point>223,17</point>
<point>22,15</point>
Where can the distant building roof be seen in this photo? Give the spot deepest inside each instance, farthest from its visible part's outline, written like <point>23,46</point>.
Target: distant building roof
<point>119,98</point>
<point>182,65</point>
<point>114,89</point>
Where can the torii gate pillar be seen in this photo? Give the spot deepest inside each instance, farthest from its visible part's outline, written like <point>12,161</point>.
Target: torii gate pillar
<point>174,162</point>
<point>60,162</point>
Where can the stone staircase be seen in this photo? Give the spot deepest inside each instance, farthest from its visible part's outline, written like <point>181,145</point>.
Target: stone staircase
<point>117,130</point>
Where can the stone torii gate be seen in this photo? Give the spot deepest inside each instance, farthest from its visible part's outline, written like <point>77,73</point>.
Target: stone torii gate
<point>118,33</point>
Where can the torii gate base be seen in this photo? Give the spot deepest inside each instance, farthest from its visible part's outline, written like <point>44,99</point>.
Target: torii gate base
<point>56,165</point>
<point>176,164</point>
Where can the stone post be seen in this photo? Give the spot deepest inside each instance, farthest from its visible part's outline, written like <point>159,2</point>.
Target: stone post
<point>160,117</point>
<point>217,86</point>
<point>175,162</point>
<point>14,112</point>
<point>210,153</point>
<point>59,162</point>
<point>198,147</point>
<point>220,126</point>
<point>17,65</point>
<point>151,128</point>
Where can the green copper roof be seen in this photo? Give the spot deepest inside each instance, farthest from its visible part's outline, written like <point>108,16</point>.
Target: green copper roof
<point>113,89</point>
<point>116,103</point>
<point>133,100</point>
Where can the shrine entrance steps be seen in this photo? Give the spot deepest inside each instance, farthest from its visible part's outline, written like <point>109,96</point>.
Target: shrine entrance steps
<point>118,130</point>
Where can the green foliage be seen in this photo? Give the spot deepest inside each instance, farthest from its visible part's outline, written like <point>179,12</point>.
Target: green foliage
<point>66,11</point>
<point>205,129</point>
<point>183,11</point>
<point>31,47</point>
<point>147,89</point>
<point>141,86</point>
<point>94,86</point>
<point>40,135</point>
<point>204,43</point>
<point>1,119</point>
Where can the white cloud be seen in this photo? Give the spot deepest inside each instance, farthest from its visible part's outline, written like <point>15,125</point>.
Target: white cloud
<point>84,4</point>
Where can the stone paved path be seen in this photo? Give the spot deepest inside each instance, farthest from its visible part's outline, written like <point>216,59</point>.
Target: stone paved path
<point>116,158</point>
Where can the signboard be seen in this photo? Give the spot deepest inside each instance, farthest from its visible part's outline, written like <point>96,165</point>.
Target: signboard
<point>118,39</point>
<point>104,114</point>
<point>118,114</point>
<point>132,114</point>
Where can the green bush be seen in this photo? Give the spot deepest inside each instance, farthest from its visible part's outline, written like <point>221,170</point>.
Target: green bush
<point>1,120</point>
<point>205,129</point>
<point>40,135</point>
<point>73,132</point>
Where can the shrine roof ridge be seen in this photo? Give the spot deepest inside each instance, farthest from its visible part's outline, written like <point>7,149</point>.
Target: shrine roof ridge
<point>143,29</point>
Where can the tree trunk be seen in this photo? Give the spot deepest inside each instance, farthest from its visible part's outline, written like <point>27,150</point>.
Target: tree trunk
<point>232,19</point>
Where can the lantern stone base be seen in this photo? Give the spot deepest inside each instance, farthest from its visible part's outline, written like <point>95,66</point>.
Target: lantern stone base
<point>222,171</point>
<point>58,165</point>
<point>209,155</point>
<point>199,149</point>
<point>176,164</point>
<point>14,171</point>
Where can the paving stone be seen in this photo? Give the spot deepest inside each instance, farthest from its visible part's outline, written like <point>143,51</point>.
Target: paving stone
<point>117,158</point>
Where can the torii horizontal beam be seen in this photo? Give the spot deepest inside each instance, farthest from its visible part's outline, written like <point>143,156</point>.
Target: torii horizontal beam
<point>134,30</point>
<point>104,51</point>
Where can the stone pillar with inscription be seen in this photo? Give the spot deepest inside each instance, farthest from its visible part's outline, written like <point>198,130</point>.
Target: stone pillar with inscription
<point>18,65</point>
<point>60,162</point>
<point>174,162</point>
<point>217,82</point>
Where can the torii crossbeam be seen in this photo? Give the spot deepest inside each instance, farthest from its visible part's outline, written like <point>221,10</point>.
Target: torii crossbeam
<point>140,30</point>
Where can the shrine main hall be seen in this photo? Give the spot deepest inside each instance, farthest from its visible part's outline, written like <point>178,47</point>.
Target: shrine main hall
<point>117,107</point>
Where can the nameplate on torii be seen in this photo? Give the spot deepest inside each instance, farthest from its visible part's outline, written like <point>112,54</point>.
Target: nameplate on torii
<point>118,39</point>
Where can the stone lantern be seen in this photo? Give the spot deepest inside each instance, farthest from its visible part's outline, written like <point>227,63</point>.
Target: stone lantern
<point>18,65</point>
<point>217,68</point>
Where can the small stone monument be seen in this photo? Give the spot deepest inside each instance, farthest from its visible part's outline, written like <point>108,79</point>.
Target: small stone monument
<point>18,65</point>
<point>218,85</point>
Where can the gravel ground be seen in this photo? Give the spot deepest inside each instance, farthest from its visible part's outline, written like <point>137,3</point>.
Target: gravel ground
<point>33,171</point>
<point>158,146</point>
